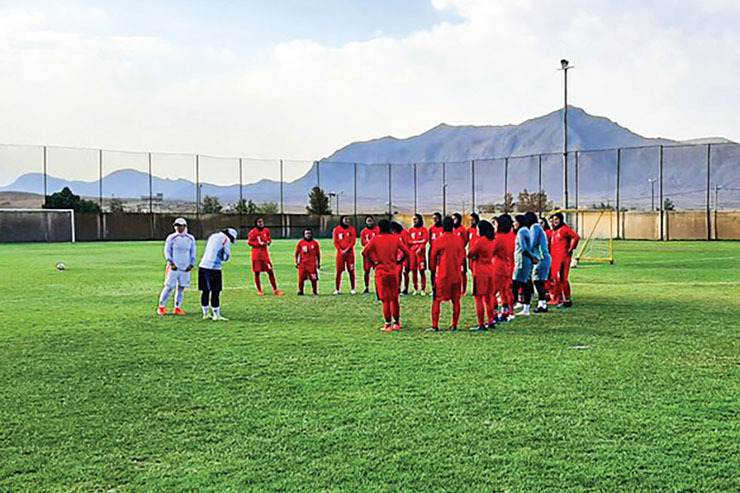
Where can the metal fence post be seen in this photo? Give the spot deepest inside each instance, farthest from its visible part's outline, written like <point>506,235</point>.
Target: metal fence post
<point>100,178</point>
<point>282,181</point>
<point>444,189</point>
<point>619,164</point>
<point>151,192</point>
<point>662,203</point>
<point>241,182</point>
<point>318,173</point>
<point>576,184</point>
<point>709,187</point>
<point>416,193</point>
<point>539,184</point>
<point>45,174</point>
<point>472,184</point>
<point>506,182</point>
<point>197,188</point>
<point>354,187</point>
<point>390,194</point>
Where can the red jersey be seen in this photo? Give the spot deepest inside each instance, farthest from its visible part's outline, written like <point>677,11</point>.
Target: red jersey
<point>259,240</point>
<point>307,253</point>
<point>344,238</point>
<point>434,233</point>
<point>446,258</point>
<point>503,254</point>
<point>483,249</point>
<point>419,238</point>
<point>564,241</point>
<point>384,252</point>
<point>549,233</point>
<point>368,234</point>
<point>473,236</point>
<point>462,232</point>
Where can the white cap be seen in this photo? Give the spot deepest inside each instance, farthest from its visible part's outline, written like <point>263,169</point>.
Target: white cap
<point>232,232</point>
<point>180,221</point>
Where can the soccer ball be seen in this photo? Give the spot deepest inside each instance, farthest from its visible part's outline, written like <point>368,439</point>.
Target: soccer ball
<point>62,266</point>
<point>574,263</point>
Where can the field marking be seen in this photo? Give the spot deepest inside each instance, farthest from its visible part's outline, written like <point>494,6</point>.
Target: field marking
<point>666,283</point>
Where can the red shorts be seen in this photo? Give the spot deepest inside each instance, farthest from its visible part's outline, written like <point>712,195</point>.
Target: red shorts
<point>261,265</point>
<point>386,286</point>
<point>346,262</point>
<point>483,286</point>
<point>444,291</point>
<point>307,274</point>
<point>418,261</point>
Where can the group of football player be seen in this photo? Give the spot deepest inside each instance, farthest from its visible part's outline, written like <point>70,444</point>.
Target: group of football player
<point>509,259</point>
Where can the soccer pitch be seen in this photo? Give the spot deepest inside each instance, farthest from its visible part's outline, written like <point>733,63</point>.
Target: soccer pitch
<point>98,393</point>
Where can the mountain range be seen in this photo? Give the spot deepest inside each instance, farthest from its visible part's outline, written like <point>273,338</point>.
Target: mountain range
<point>457,146</point>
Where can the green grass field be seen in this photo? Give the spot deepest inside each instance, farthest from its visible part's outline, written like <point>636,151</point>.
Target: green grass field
<point>97,393</point>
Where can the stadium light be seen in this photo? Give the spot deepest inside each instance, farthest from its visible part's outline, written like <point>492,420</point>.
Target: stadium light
<point>565,66</point>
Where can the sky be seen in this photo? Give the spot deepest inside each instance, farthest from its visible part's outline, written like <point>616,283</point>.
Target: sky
<point>298,79</point>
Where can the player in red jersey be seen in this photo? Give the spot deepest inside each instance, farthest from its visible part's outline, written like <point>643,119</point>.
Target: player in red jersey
<point>259,239</point>
<point>369,232</point>
<point>473,236</point>
<point>384,253</point>
<point>419,238</point>
<point>345,237</point>
<point>503,265</point>
<point>481,255</point>
<point>308,261</point>
<point>461,231</point>
<point>564,242</point>
<point>446,259</point>
<point>405,266</point>
<point>435,230</point>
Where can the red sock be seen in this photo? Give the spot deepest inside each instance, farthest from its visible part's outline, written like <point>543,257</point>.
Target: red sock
<point>566,289</point>
<point>351,279</point>
<point>455,312</point>
<point>273,282</point>
<point>314,287</point>
<point>415,277</point>
<point>423,280</point>
<point>396,310</point>
<point>257,281</point>
<point>436,305</point>
<point>387,311</point>
<point>338,280</point>
<point>367,279</point>
<point>480,310</point>
<point>406,279</point>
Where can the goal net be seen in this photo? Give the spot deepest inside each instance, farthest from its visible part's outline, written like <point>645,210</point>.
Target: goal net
<point>25,225</point>
<point>597,228</point>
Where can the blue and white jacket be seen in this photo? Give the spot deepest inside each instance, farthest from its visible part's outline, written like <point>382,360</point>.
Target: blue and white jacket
<point>218,250</point>
<point>180,250</point>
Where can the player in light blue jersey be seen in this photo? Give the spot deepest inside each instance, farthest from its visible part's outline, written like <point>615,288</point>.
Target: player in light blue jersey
<point>210,279</point>
<point>524,260</point>
<point>542,269</point>
<point>179,252</point>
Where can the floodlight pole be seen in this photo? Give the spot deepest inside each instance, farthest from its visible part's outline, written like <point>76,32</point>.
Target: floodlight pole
<point>716,208</point>
<point>45,175</point>
<point>565,66</point>
<point>652,193</point>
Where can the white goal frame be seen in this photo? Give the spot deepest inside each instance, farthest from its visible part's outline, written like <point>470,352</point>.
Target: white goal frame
<point>71,213</point>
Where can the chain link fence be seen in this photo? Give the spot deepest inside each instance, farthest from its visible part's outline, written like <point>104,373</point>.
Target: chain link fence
<point>664,180</point>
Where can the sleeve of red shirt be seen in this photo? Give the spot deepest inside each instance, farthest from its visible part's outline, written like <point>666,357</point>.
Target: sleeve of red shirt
<point>367,251</point>
<point>269,236</point>
<point>404,249</point>
<point>474,250</point>
<point>252,238</point>
<point>297,251</point>
<point>335,237</point>
<point>433,257</point>
<point>574,238</point>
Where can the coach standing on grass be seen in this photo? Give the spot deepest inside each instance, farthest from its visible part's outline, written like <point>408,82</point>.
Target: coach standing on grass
<point>210,279</point>
<point>180,252</point>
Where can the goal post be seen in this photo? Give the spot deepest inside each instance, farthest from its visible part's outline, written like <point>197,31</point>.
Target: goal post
<point>25,225</point>
<point>597,229</point>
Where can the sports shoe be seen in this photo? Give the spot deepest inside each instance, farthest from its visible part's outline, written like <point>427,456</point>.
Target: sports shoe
<point>432,329</point>
<point>522,313</point>
<point>161,310</point>
<point>397,326</point>
<point>453,329</point>
<point>479,328</point>
<point>277,292</point>
<point>491,325</point>
<point>366,292</point>
<point>260,293</point>
<point>300,294</point>
<point>206,316</point>
<point>336,293</point>
<point>220,318</point>
<point>354,291</point>
<point>518,306</point>
<point>405,292</point>
<point>178,311</point>
<point>567,304</point>
<point>553,302</point>
<point>387,328</point>
<point>540,309</point>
